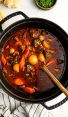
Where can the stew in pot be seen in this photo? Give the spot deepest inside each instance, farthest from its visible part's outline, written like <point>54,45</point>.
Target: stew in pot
<point>24,54</point>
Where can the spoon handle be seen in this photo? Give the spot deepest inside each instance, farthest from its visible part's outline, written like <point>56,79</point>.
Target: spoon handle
<point>55,80</point>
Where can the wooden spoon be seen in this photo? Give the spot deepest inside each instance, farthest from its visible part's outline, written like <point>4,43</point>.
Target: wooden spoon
<point>54,79</point>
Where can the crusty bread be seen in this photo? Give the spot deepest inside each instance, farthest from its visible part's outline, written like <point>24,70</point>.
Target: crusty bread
<point>2,15</point>
<point>11,3</point>
<point>1,1</point>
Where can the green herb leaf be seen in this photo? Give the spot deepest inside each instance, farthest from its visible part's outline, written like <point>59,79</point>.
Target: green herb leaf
<point>46,3</point>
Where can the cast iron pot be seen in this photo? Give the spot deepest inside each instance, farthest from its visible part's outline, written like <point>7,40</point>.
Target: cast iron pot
<point>54,29</point>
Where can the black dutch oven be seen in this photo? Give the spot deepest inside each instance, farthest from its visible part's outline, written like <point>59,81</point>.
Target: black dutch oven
<point>60,34</point>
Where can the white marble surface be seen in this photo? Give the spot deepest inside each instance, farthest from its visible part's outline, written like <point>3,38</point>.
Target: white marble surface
<point>58,15</point>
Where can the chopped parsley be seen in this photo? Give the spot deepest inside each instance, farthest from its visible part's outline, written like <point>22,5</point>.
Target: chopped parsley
<point>46,3</point>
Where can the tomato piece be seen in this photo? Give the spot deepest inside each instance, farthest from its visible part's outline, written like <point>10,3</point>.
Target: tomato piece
<point>29,90</point>
<point>3,59</point>
<point>19,81</point>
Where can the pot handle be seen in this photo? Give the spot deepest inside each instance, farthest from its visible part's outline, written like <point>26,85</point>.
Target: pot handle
<point>55,105</point>
<point>10,16</point>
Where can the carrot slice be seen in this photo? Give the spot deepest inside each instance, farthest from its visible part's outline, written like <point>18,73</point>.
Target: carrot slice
<point>51,51</point>
<point>51,61</point>
<point>29,90</point>
<point>22,63</point>
<point>3,60</point>
<point>27,42</point>
<point>19,81</point>
<point>18,43</point>
<point>57,69</point>
<point>26,53</point>
<point>24,56</point>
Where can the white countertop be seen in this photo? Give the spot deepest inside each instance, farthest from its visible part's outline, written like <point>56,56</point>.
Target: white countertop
<point>58,15</point>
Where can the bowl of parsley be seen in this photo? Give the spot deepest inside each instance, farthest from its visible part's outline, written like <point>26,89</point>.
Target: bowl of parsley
<point>45,4</point>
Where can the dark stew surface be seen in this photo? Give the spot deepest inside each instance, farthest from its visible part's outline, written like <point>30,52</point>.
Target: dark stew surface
<point>25,53</point>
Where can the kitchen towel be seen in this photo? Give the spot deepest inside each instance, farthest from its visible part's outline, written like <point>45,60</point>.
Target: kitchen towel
<point>10,107</point>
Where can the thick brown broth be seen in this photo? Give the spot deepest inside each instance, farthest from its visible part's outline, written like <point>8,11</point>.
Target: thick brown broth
<point>23,55</point>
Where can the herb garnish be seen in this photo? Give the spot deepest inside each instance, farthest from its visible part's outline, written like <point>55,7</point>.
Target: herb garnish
<point>46,3</point>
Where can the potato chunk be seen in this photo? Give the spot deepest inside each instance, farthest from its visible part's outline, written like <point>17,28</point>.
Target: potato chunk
<point>16,67</point>
<point>33,59</point>
<point>41,57</point>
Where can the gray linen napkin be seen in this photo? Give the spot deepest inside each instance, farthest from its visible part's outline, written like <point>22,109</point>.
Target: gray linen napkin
<point>9,107</point>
